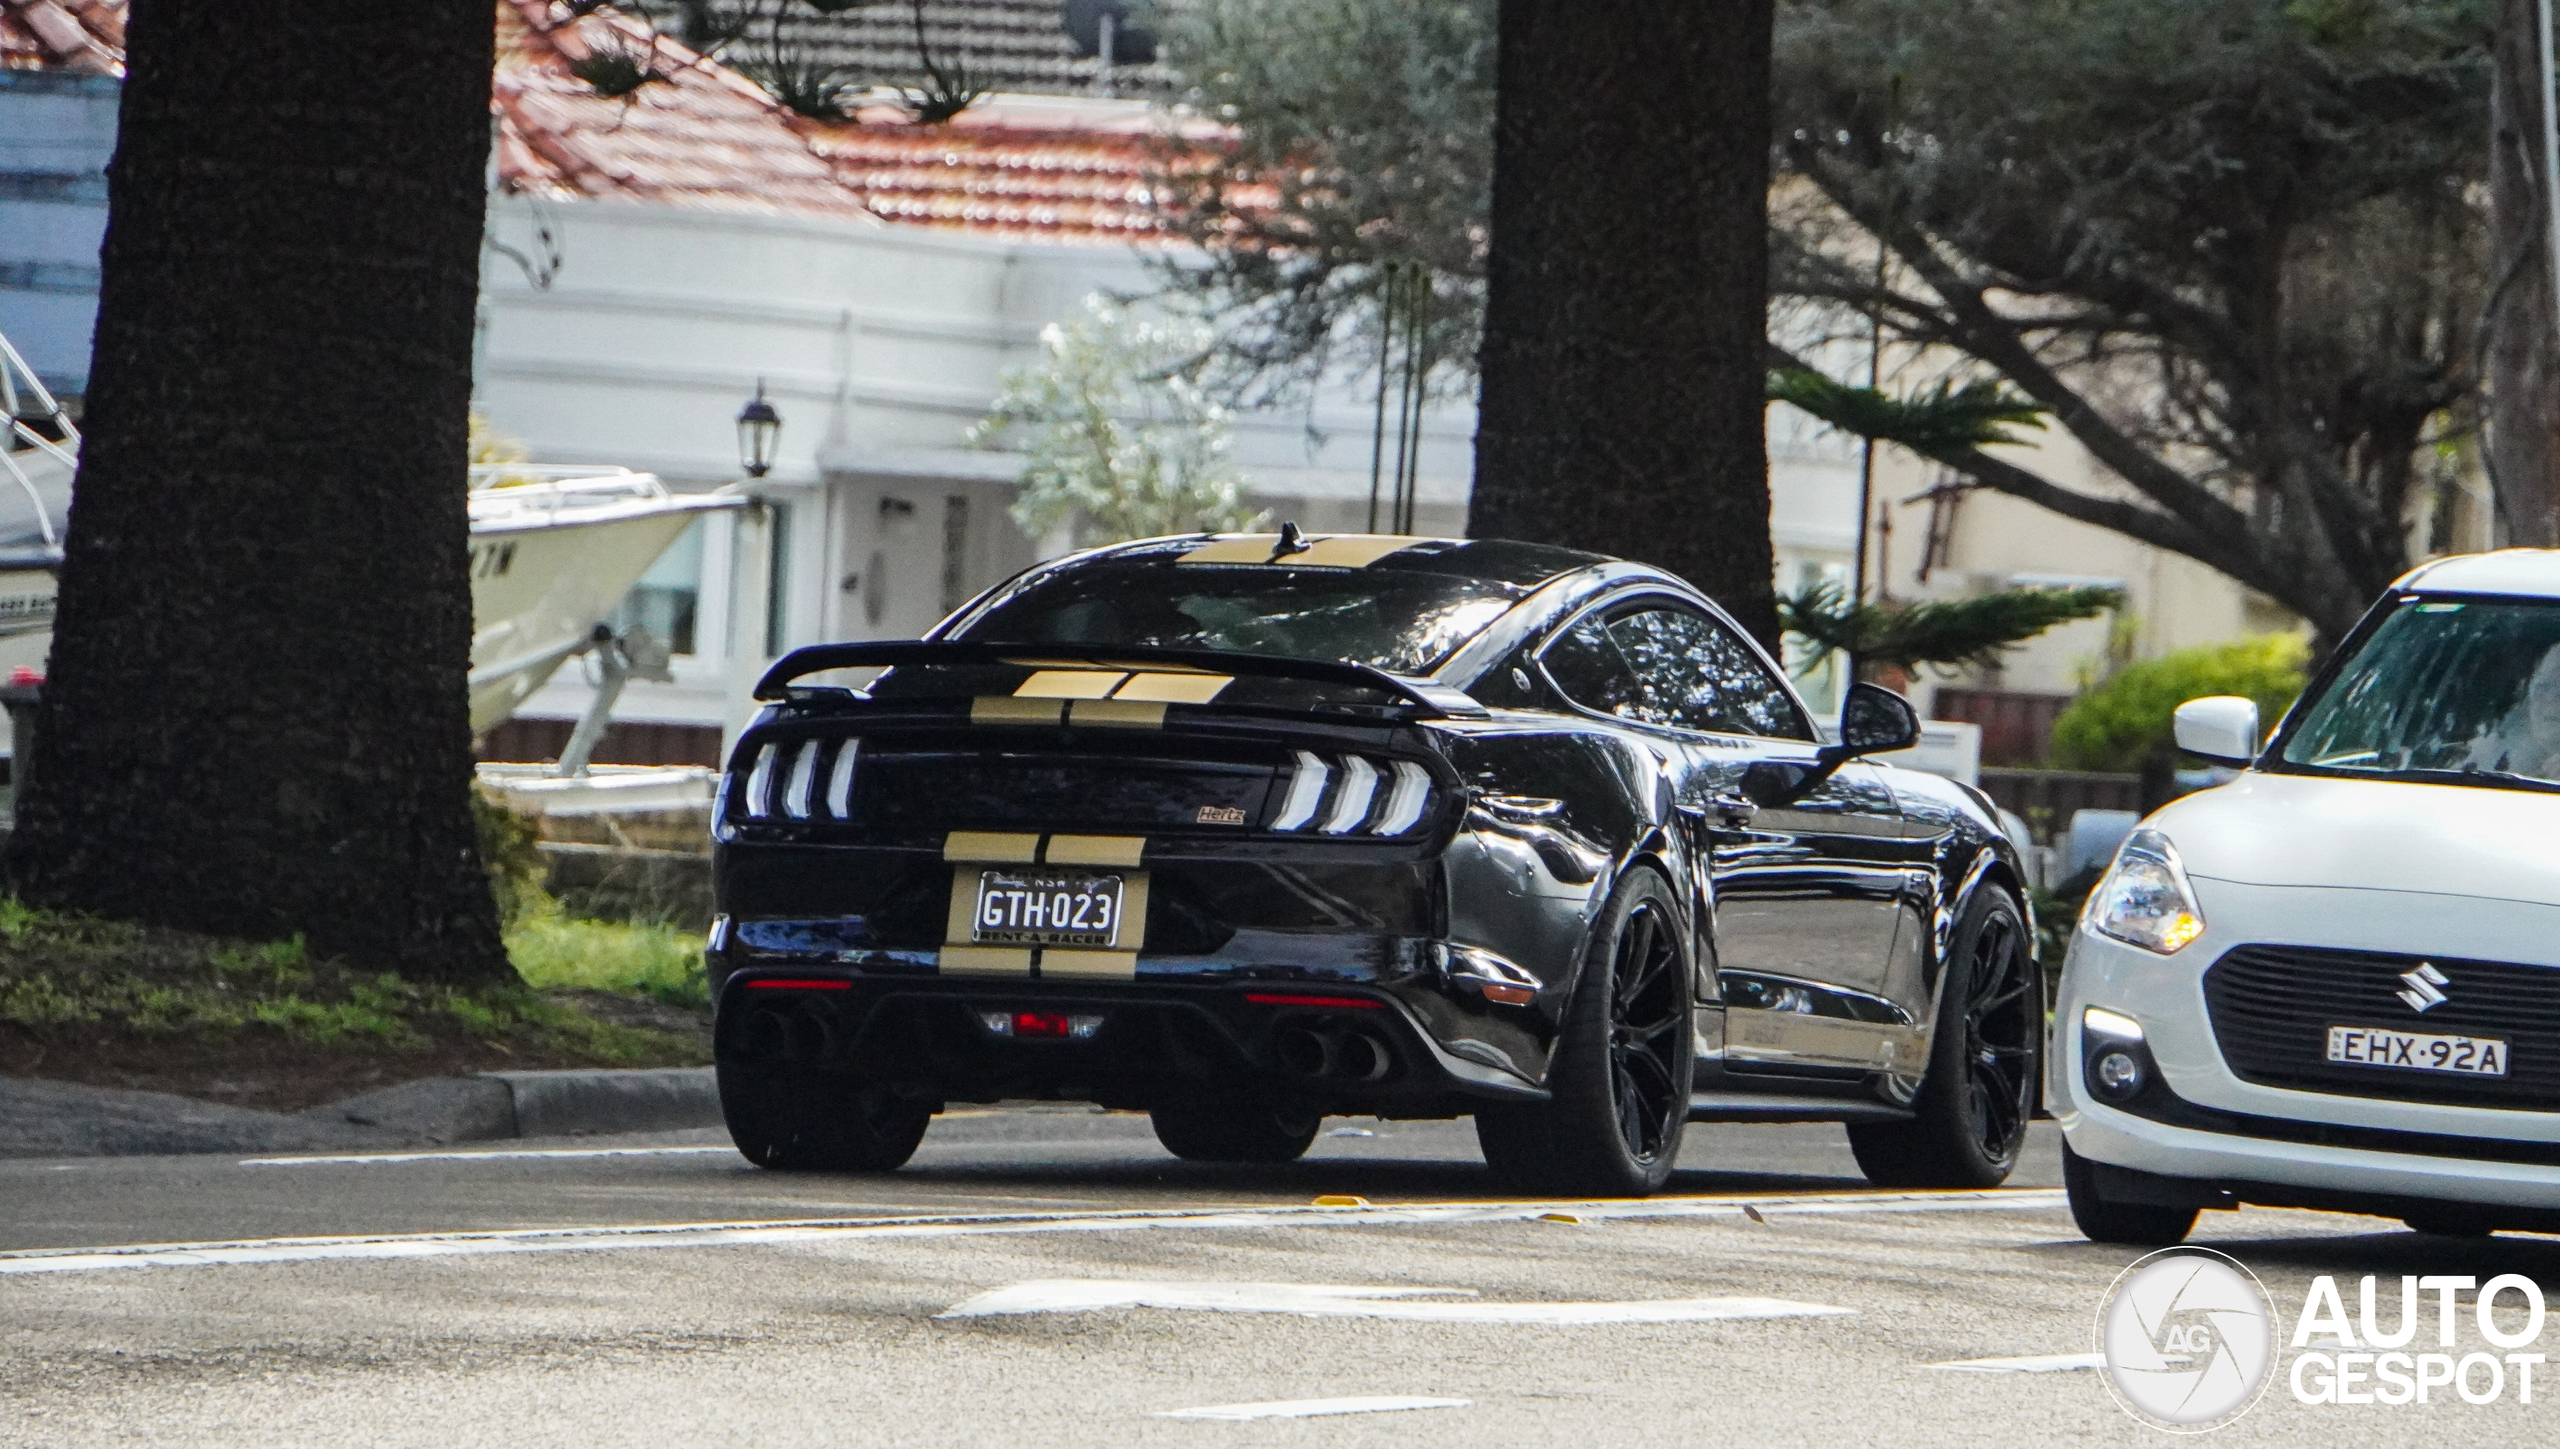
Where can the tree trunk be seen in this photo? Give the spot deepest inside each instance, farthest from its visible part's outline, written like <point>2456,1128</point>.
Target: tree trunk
<point>2524,375</point>
<point>1627,291</point>
<point>255,722</point>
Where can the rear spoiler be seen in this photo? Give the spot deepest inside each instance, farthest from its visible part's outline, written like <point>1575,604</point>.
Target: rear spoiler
<point>1434,700</point>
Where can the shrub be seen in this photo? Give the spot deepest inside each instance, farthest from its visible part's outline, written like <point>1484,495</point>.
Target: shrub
<point>2121,722</point>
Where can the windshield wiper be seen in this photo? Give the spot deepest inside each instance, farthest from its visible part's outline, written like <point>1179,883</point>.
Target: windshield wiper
<point>2466,775</point>
<point>2508,778</point>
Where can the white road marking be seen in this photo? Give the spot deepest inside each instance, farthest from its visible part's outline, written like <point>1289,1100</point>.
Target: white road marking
<point>1317,1300</point>
<point>511,1153</point>
<point>2049,1363</point>
<point>1311,1408</point>
<point>826,1230</point>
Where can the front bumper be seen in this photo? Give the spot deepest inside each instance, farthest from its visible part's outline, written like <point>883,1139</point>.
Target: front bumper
<point>2197,1121</point>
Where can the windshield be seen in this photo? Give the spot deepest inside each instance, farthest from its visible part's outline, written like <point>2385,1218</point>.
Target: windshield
<point>2464,688</point>
<point>1407,621</point>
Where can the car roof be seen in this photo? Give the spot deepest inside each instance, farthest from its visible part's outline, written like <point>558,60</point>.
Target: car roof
<point>1522,566</point>
<point>2533,572</point>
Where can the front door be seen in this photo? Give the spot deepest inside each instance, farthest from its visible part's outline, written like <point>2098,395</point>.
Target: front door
<point>1806,879</point>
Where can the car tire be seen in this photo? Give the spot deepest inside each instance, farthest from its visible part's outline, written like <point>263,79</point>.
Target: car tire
<point>1620,1078</point>
<point>1968,1122</point>
<point>2108,1220</point>
<point>1229,1131</point>
<point>800,1121</point>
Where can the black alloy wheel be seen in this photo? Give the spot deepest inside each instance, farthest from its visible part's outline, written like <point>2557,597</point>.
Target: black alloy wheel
<point>1969,1119</point>
<point>1230,1130</point>
<point>1619,1083</point>
<point>796,1120</point>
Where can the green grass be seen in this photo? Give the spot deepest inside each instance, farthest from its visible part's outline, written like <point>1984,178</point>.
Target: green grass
<point>65,975</point>
<point>554,950</point>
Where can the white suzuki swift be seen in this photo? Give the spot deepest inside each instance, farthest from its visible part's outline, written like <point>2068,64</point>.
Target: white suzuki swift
<point>2335,981</point>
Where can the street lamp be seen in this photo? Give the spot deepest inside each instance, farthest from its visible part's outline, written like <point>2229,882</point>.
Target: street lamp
<point>759,428</point>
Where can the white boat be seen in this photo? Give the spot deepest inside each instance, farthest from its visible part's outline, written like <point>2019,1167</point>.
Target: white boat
<point>553,548</point>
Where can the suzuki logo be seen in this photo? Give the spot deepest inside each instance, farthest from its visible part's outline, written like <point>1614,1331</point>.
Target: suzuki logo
<point>2422,992</point>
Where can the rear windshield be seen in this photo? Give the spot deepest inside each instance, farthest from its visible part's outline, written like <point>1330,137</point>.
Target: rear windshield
<point>2461,689</point>
<point>1393,619</point>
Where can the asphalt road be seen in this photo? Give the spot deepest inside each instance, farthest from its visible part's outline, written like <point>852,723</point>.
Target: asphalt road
<point>646,1297</point>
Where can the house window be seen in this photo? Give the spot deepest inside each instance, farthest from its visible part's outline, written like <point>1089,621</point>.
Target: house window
<point>668,597</point>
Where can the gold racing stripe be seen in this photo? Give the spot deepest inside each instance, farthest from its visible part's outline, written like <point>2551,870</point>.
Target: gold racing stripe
<point>1173,688</point>
<point>1012,961</point>
<point>1336,551</point>
<point>1245,548</point>
<point>1004,710</point>
<point>996,847</point>
<point>1120,713</point>
<point>1059,964</point>
<point>1068,684</point>
<point>1120,850</point>
<point>1350,551</point>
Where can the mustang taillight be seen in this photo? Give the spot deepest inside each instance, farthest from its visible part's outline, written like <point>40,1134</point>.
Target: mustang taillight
<point>1351,794</point>
<point>802,780</point>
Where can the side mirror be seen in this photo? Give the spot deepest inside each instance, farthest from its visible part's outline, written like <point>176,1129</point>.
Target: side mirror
<point>2221,728</point>
<point>1873,721</point>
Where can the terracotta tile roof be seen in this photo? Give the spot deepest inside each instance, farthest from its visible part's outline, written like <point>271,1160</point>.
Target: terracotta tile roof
<point>1016,47</point>
<point>1029,168</point>
<point>1024,168</point>
<point>77,35</point>
<point>696,134</point>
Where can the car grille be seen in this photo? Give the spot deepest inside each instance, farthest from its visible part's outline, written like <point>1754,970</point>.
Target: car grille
<point>2272,1007</point>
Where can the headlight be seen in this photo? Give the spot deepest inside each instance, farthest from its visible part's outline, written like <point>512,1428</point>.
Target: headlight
<point>2145,898</point>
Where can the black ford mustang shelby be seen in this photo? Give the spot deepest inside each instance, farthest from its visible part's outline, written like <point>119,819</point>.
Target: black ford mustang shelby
<point>1243,831</point>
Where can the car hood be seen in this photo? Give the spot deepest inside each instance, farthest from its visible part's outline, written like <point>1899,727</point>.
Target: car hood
<point>2313,830</point>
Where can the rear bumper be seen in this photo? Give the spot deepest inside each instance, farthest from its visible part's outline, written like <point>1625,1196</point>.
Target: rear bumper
<point>1370,1049</point>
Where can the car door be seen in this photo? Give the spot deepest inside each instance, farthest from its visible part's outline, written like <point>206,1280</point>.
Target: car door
<point>1805,863</point>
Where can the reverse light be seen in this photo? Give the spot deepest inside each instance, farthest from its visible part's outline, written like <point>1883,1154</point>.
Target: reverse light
<point>1041,1025</point>
<point>2145,899</point>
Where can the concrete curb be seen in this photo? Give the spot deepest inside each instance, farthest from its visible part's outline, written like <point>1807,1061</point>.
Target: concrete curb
<point>58,1119</point>
<point>558,1104</point>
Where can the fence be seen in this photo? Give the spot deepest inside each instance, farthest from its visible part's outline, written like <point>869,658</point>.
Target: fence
<point>2045,799</point>
<point>2017,727</point>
